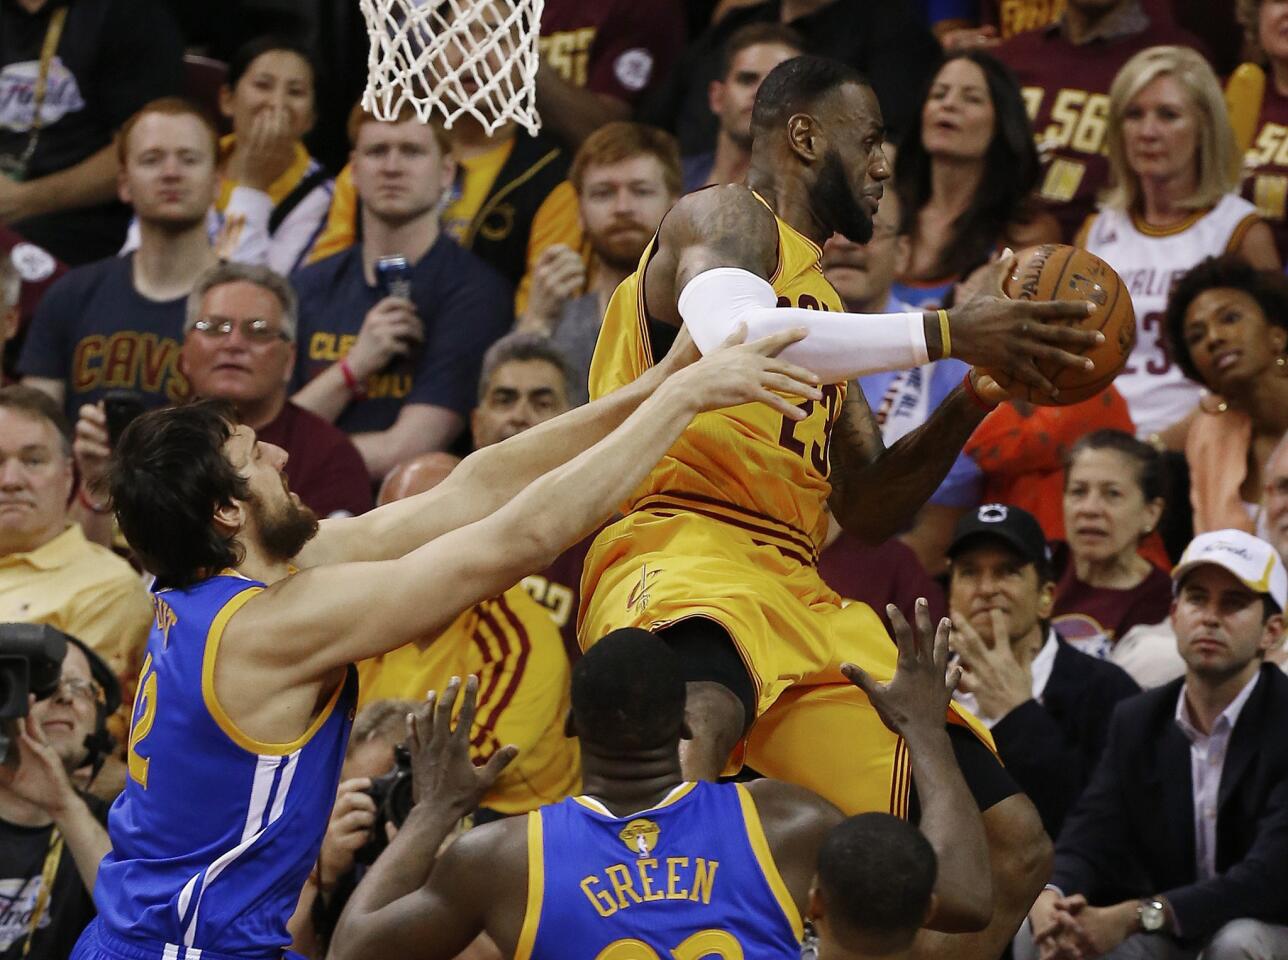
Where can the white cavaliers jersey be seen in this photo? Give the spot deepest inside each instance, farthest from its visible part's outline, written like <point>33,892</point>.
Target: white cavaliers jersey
<point>1150,261</point>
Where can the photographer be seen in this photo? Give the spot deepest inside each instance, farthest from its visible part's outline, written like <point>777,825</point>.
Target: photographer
<point>51,836</point>
<point>377,730</point>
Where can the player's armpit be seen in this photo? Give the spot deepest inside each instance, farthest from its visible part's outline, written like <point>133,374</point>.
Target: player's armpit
<point>722,226</point>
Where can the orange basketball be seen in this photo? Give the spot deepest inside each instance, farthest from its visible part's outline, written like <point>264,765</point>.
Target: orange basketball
<point>1055,271</point>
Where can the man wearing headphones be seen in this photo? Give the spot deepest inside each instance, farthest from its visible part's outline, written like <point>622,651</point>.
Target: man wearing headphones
<point>52,836</point>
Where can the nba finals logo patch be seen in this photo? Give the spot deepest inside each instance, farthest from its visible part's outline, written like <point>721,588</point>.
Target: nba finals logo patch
<point>640,836</point>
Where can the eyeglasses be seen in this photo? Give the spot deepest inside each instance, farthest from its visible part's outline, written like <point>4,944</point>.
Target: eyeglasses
<point>255,329</point>
<point>79,689</point>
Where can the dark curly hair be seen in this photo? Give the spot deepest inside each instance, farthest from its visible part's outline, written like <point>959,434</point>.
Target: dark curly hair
<point>167,477</point>
<point>1268,288</point>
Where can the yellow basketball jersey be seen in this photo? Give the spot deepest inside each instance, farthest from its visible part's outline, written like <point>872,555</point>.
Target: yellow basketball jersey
<point>746,464</point>
<point>513,647</point>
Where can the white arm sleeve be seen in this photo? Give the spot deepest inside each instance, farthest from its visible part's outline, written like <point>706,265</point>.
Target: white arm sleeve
<point>840,346</point>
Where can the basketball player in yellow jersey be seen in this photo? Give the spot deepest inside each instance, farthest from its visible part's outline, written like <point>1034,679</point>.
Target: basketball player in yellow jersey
<point>717,551</point>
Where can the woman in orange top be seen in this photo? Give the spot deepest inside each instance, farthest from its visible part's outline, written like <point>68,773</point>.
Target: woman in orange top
<point>1227,326</point>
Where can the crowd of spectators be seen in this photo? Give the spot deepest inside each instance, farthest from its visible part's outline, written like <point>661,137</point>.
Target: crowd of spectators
<point>380,298</point>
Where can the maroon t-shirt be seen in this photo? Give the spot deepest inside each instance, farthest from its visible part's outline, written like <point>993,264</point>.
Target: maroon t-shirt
<point>324,468</point>
<point>889,573</point>
<point>1066,91</point>
<point>1093,618</point>
<point>558,589</point>
<point>1267,185</point>
<point>616,47</point>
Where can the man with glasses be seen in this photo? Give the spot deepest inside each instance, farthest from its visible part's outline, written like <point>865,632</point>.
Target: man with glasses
<point>239,345</point>
<point>52,836</point>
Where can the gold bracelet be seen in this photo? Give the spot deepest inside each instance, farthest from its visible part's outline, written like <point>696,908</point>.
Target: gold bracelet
<point>944,336</point>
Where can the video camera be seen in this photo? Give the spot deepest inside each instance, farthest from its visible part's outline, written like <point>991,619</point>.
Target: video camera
<point>31,662</point>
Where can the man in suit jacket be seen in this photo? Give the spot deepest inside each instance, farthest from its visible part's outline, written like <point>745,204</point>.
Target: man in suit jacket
<point>1181,838</point>
<point>1048,704</point>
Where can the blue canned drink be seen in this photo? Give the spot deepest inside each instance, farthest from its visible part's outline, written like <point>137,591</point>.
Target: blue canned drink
<point>393,276</point>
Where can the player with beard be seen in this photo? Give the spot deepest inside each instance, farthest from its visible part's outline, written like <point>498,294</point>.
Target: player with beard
<point>246,691</point>
<point>718,549</point>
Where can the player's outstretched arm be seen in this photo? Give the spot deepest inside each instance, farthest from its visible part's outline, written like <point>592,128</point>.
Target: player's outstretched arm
<point>718,247</point>
<point>329,616</point>
<point>413,903</point>
<point>913,704</point>
<point>491,477</point>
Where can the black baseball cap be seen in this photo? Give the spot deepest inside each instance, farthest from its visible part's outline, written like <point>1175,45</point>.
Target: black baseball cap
<point>1016,528</point>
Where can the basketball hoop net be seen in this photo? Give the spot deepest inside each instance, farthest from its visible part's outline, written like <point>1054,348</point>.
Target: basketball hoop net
<point>475,57</point>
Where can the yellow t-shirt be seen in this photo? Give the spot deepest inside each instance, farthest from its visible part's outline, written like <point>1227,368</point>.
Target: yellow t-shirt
<point>513,647</point>
<point>82,589</point>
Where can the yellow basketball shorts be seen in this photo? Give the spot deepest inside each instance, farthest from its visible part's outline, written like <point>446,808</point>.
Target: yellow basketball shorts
<point>792,632</point>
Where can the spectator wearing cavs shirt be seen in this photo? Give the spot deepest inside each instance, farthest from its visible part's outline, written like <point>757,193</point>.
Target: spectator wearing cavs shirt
<point>239,345</point>
<point>1065,70</point>
<point>397,368</point>
<point>117,323</point>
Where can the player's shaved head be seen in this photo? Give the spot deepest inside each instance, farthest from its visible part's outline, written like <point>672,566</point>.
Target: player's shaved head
<point>796,86</point>
<point>875,876</point>
<point>628,693</point>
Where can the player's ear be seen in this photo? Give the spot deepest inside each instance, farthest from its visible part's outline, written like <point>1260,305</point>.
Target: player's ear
<point>931,905</point>
<point>803,136</point>
<point>230,518</point>
<point>814,906</point>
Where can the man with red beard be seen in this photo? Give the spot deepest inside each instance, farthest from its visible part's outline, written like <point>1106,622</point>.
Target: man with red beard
<point>627,175</point>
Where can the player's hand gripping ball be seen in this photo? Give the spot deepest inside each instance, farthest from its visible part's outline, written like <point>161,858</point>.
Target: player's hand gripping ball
<point>1055,271</point>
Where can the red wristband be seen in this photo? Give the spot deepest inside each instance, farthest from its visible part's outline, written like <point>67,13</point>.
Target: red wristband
<point>974,396</point>
<point>350,380</point>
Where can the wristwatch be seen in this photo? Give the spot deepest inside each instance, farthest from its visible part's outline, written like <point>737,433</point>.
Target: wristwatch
<point>1152,914</point>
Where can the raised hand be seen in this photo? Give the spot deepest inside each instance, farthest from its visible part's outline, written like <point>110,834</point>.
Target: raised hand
<point>740,372</point>
<point>39,777</point>
<point>91,447</point>
<point>993,675</point>
<point>558,274</point>
<point>443,776</point>
<point>266,151</point>
<point>917,696</point>
<point>349,829</point>
<point>991,330</point>
<point>390,329</point>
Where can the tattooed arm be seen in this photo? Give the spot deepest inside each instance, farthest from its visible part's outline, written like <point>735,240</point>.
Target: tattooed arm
<point>876,492</point>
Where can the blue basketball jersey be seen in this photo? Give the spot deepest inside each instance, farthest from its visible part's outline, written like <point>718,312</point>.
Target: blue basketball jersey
<point>690,878</point>
<point>215,833</point>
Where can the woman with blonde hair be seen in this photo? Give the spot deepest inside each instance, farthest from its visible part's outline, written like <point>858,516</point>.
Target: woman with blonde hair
<point>1174,171</point>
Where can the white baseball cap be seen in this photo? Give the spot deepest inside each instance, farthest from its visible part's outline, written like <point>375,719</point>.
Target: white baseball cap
<point>1252,561</point>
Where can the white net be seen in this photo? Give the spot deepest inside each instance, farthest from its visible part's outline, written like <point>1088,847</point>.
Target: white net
<point>475,57</point>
